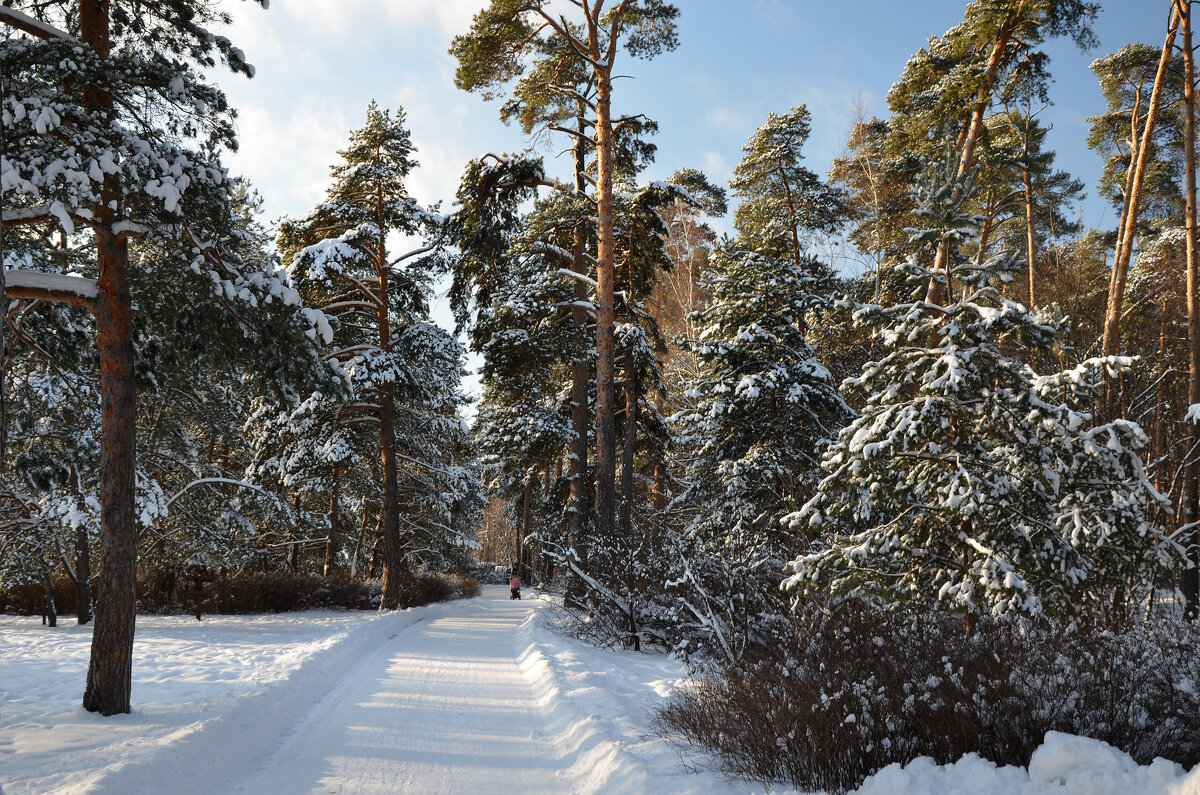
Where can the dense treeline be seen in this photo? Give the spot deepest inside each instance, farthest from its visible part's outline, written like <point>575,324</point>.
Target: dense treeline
<point>712,444</point>
<point>937,432</point>
<point>989,422</point>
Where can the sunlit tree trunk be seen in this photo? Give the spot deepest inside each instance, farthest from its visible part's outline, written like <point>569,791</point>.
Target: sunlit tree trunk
<point>1190,579</point>
<point>605,250</point>
<point>110,669</point>
<point>1112,321</point>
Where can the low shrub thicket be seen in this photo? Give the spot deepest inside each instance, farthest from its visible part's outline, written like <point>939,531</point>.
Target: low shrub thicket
<point>279,592</point>
<point>860,689</point>
<point>423,589</point>
<point>26,600</point>
<point>254,592</point>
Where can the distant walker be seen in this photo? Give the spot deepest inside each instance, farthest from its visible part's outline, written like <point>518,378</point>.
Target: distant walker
<point>514,588</point>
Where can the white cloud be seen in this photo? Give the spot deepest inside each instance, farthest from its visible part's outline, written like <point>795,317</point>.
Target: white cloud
<point>729,119</point>
<point>345,20</point>
<point>287,154</point>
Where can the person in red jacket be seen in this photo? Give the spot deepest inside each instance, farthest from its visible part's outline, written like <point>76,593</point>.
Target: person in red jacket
<point>514,587</point>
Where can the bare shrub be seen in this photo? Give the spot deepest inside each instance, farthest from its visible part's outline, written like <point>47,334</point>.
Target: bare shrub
<point>860,689</point>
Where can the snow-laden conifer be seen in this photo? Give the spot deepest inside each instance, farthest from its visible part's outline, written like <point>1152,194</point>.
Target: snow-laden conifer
<point>762,405</point>
<point>398,416</point>
<point>969,482</point>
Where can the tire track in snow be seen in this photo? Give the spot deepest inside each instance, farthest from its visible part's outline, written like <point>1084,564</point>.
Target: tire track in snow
<point>441,707</point>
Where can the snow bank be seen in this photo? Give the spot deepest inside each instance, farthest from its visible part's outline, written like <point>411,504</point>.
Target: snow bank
<point>1064,764</point>
<point>599,704</point>
<point>213,699</point>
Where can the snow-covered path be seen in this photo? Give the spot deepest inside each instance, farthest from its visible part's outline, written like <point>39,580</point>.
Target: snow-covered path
<point>470,696</point>
<point>480,695</point>
<point>442,706</point>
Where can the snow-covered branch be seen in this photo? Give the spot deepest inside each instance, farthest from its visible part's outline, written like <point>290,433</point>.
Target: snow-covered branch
<point>56,287</point>
<point>32,26</point>
<point>203,481</point>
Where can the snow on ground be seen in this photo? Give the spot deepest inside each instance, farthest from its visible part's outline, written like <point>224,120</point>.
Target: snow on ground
<point>458,697</point>
<point>466,696</point>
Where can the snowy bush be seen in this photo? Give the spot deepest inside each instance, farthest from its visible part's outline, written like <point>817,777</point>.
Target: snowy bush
<point>861,688</point>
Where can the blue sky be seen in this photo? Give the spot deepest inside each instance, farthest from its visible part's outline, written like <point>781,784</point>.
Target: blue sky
<point>738,60</point>
<point>320,62</point>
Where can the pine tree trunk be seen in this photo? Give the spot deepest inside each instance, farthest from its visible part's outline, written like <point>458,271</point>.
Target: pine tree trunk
<point>1030,237</point>
<point>523,532</point>
<point>1112,322</point>
<point>577,513</point>
<point>362,534</point>
<point>1190,578</point>
<point>630,448</point>
<point>392,552</point>
<point>938,293</point>
<point>110,668</point>
<point>1133,155</point>
<point>605,428</point>
<point>49,608</point>
<point>333,525</point>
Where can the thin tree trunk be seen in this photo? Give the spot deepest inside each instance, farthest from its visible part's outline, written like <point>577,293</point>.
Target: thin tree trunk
<point>1135,136</point>
<point>49,609</point>
<point>393,552</point>
<point>1030,237</point>
<point>628,451</point>
<point>1190,579</point>
<point>333,525</point>
<point>938,293</point>
<point>362,534</point>
<point>578,510</point>
<point>83,577</point>
<point>523,532</point>
<point>293,556</point>
<point>605,427</point>
<point>1112,321</point>
<point>110,668</point>
<point>81,572</point>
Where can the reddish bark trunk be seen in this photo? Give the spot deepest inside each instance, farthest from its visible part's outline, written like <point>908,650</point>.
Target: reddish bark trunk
<point>605,427</point>
<point>630,448</point>
<point>1112,321</point>
<point>938,293</point>
<point>577,513</point>
<point>110,669</point>
<point>1190,579</point>
<point>393,553</point>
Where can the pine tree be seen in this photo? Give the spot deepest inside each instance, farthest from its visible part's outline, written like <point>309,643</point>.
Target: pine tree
<point>512,37</point>
<point>88,159</point>
<point>763,406</point>
<point>969,482</point>
<point>339,255</point>
<point>949,87</point>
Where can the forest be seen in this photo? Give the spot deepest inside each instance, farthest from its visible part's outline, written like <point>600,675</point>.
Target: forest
<point>941,503</point>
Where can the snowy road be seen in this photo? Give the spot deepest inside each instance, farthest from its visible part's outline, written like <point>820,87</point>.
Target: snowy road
<point>441,707</point>
<point>479,695</point>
